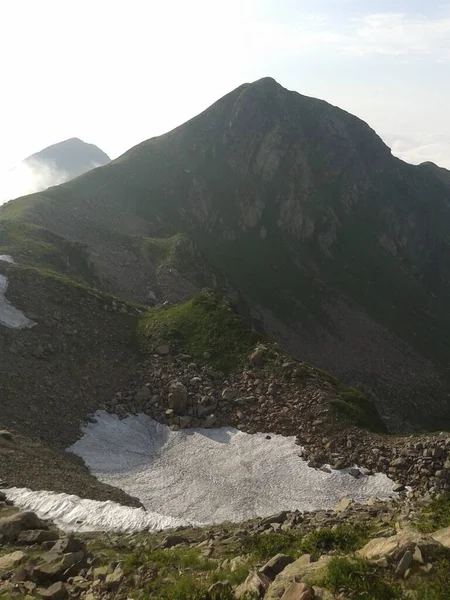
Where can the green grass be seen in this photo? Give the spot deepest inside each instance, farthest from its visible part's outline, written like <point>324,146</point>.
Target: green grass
<point>435,515</point>
<point>342,538</point>
<point>37,247</point>
<point>181,574</point>
<point>206,323</point>
<point>359,580</point>
<point>356,408</point>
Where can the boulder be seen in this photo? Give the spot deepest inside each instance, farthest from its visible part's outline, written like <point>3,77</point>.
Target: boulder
<point>275,565</point>
<point>8,562</point>
<point>229,394</point>
<point>173,540</point>
<point>57,591</point>
<point>256,357</point>
<point>143,394</point>
<point>69,544</point>
<point>394,547</point>
<point>404,564</point>
<point>163,350</point>
<point>301,569</point>
<point>218,589</point>
<point>256,584</point>
<point>13,525</point>
<point>442,536</point>
<point>299,591</point>
<point>114,579</point>
<point>6,435</point>
<point>178,397</point>
<point>54,565</point>
<point>36,536</point>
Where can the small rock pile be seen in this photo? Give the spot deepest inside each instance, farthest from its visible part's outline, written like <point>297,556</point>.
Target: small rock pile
<point>49,565</point>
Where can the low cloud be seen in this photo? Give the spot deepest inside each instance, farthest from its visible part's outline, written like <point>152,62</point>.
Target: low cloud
<point>28,178</point>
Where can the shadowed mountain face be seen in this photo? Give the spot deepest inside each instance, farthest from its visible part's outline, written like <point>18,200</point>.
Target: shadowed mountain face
<point>300,212</point>
<point>71,158</point>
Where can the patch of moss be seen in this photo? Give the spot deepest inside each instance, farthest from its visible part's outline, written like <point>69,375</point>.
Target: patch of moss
<point>355,407</point>
<point>204,324</point>
<point>435,515</point>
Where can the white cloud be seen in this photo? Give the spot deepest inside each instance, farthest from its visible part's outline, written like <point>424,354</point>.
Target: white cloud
<point>27,179</point>
<point>418,148</point>
<point>402,35</point>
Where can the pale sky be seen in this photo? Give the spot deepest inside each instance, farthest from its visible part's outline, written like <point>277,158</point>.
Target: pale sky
<point>114,73</point>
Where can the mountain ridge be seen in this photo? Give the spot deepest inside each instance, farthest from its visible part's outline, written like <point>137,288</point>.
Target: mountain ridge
<point>299,212</point>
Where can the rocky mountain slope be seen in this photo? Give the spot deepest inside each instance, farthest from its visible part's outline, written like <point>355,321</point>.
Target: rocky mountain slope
<point>376,551</point>
<point>68,159</point>
<point>299,212</point>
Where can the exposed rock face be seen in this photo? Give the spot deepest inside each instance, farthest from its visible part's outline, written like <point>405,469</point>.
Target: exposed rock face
<point>300,211</point>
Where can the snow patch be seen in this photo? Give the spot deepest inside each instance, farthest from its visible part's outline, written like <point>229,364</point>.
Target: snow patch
<point>7,258</point>
<point>213,475</point>
<point>72,513</point>
<point>9,315</point>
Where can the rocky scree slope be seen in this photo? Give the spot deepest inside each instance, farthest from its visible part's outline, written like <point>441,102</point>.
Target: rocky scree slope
<point>376,551</point>
<point>300,212</point>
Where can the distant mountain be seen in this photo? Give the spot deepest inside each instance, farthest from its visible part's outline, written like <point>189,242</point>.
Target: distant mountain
<point>49,167</point>
<point>70,158</point>
<point>295,209</point>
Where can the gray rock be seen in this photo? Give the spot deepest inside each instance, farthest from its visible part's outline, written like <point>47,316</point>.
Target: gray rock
<point>275,565</point>
<point>178,397</point>
<point>6,435</point>
<point>173,540</point>
<point>143,394</point>
<point>57,591</point>
<point>13,525</point>
<point>163,350</point>
<point>229,394</point>
<point>404,564</point>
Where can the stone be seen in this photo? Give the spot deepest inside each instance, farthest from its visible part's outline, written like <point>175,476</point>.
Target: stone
<point>6,435</point>
<point>255,584</point>
<point>275,565</point>
<point>257,356</point>
<point>218,589</point>
<point>8,562</point>
<point>142,394</point>
<point>354,472</point>
<point>418,556</point>
<point>57,591</point>
<point>69,544</point>
<point>398,488</point>
<point>278,518</point>
<point>163,350</point>
<point>178,397</point>
<point>298,591</point>
<point>442,536</point>
<point>114,579</point>
<point>394,547</point>
<point>13,525</point>
<point>37,536</point>
<point>229,394</point>
<point>296,571</point>
<point>173,540</point>
<point>404,564</point>
<point>185,421</point>
<point>343,505</point>
<point>210,421</point>
<point>54,565</point>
